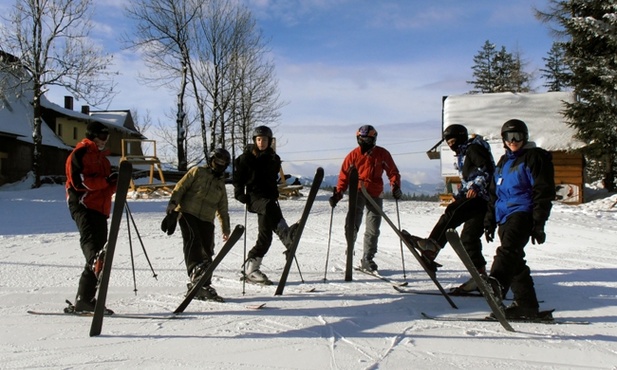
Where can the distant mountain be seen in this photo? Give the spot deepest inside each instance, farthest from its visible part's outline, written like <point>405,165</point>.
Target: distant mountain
<point>407,187</point>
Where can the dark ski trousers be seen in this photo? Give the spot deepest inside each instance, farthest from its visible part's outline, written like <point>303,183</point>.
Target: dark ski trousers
<point>509,265</point>
<point>469,211</point>
<point>198,241</point>
<point>92,226</point>
<point>373,223</point>
<point>269,215</point>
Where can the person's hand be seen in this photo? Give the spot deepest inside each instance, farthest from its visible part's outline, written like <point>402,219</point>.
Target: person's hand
<point>489,229</point>
<point>396,192</point>
<point>489,233</point>
<point>537,234</point>
<point>225,237</point>
<point>171,207</point>
<point>335,198</point>
<point>472,192</point>
<point>112,178</point>
<point>243,198</point>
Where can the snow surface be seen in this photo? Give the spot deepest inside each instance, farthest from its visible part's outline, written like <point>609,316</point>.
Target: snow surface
<point>364,324</point>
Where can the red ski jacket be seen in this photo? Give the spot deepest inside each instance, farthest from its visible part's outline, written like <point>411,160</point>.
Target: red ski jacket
<point>371,166</point>
<point>87,169</point>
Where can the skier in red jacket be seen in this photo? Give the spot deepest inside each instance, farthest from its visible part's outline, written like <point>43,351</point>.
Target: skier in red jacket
<point>371,161</point>
<point>90,185</point>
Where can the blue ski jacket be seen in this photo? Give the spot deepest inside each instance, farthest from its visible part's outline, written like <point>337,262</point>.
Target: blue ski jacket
<point>524,182</point>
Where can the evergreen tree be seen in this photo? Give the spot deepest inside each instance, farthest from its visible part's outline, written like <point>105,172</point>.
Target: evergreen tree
<point>556,72</point>
<point>590,55</point>
<point>498,71</point>
<point>483,69</point>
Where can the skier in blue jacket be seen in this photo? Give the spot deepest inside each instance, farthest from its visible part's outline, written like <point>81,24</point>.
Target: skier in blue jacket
<point>521,199</point>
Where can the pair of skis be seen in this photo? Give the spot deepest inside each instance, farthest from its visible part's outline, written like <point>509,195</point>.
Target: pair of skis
<point>404,236</point>
<point>456,243</point>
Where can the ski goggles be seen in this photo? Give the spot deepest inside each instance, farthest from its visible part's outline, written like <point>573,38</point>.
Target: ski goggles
<point>366,139</point>
<point>103,136</point>
<point>513,137</point>
<point>220,162</point>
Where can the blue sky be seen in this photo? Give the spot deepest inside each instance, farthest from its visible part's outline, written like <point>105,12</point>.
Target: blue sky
<point>344,63</point>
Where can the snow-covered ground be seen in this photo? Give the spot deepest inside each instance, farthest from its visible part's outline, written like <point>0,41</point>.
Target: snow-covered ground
<point>364,324</point>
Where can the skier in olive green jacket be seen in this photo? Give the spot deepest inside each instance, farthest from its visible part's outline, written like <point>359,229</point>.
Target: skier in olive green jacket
<point>198,197</point>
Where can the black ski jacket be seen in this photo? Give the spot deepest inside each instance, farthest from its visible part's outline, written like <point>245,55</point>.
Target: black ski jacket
<point>256,173</point>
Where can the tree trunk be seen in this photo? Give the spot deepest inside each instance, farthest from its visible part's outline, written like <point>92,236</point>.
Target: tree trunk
<point>37,137</point>
<point>609,173</point>
<point>181,126</point>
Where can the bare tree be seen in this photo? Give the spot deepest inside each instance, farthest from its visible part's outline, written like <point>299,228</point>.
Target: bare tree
<point>203,50</point>
<point>163,37</point>
<point>50,42</point>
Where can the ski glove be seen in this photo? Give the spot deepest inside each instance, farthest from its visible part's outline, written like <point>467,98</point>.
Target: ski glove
<point>537,234</point>
<point>335,198</point>
<point>489,233</point>
<point>489,229</point>
<point>396,192</point>
<point>168,225</point>
<point>112,178</point>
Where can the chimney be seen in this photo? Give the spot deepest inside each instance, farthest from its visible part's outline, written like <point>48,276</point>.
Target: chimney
<point>85,109</point>
<point>68,102</point>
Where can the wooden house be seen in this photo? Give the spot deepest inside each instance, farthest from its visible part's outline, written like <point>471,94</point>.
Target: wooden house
<point>484,114</point>
<point>62,129</point>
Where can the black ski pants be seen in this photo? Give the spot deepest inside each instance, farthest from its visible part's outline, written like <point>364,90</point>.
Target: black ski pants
<point>92,226</point>
<point>269,215</point>
<point>198,241</point>
<point>469,211</point>
<point>509,265</point>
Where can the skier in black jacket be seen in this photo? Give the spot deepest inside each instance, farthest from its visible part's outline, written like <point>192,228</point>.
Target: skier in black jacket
<point>475,167</point>
<point>521,201</point>
<point>255,181</point>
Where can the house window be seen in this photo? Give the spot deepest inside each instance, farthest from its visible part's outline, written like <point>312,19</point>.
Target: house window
<point>75,133</point>
<point>59,130</point>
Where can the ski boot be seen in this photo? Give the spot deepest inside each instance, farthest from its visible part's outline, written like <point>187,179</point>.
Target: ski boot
<point>254,274</point>
<point>469,286</point>
<point>368,264</point>
<point>208,293</point>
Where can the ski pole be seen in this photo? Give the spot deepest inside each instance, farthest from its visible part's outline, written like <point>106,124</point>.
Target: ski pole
<point>398,217</point>
<point>128,228</point>
<point>325,273</point>
<point>130,214</point>
<point>299,272</point>
<point>244,264</point>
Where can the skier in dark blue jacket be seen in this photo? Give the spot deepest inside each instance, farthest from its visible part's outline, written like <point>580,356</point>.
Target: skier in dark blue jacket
<point>521,200</point>
<point>475,166</point>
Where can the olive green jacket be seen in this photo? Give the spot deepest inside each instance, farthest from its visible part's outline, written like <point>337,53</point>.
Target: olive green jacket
<point>202,194</point>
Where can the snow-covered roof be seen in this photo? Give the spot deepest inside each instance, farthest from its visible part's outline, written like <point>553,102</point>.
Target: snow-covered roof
<point>484,114</point>
<point>16,118</point>
<point>108,120</point>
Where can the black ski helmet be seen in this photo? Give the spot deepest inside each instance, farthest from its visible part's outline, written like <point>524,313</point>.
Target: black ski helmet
<point>95,128</point>
<point>458,132</point>
<point>366,136</point>
<point>515,125</point>
<point>263,131</point>
<point>219,160</point>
